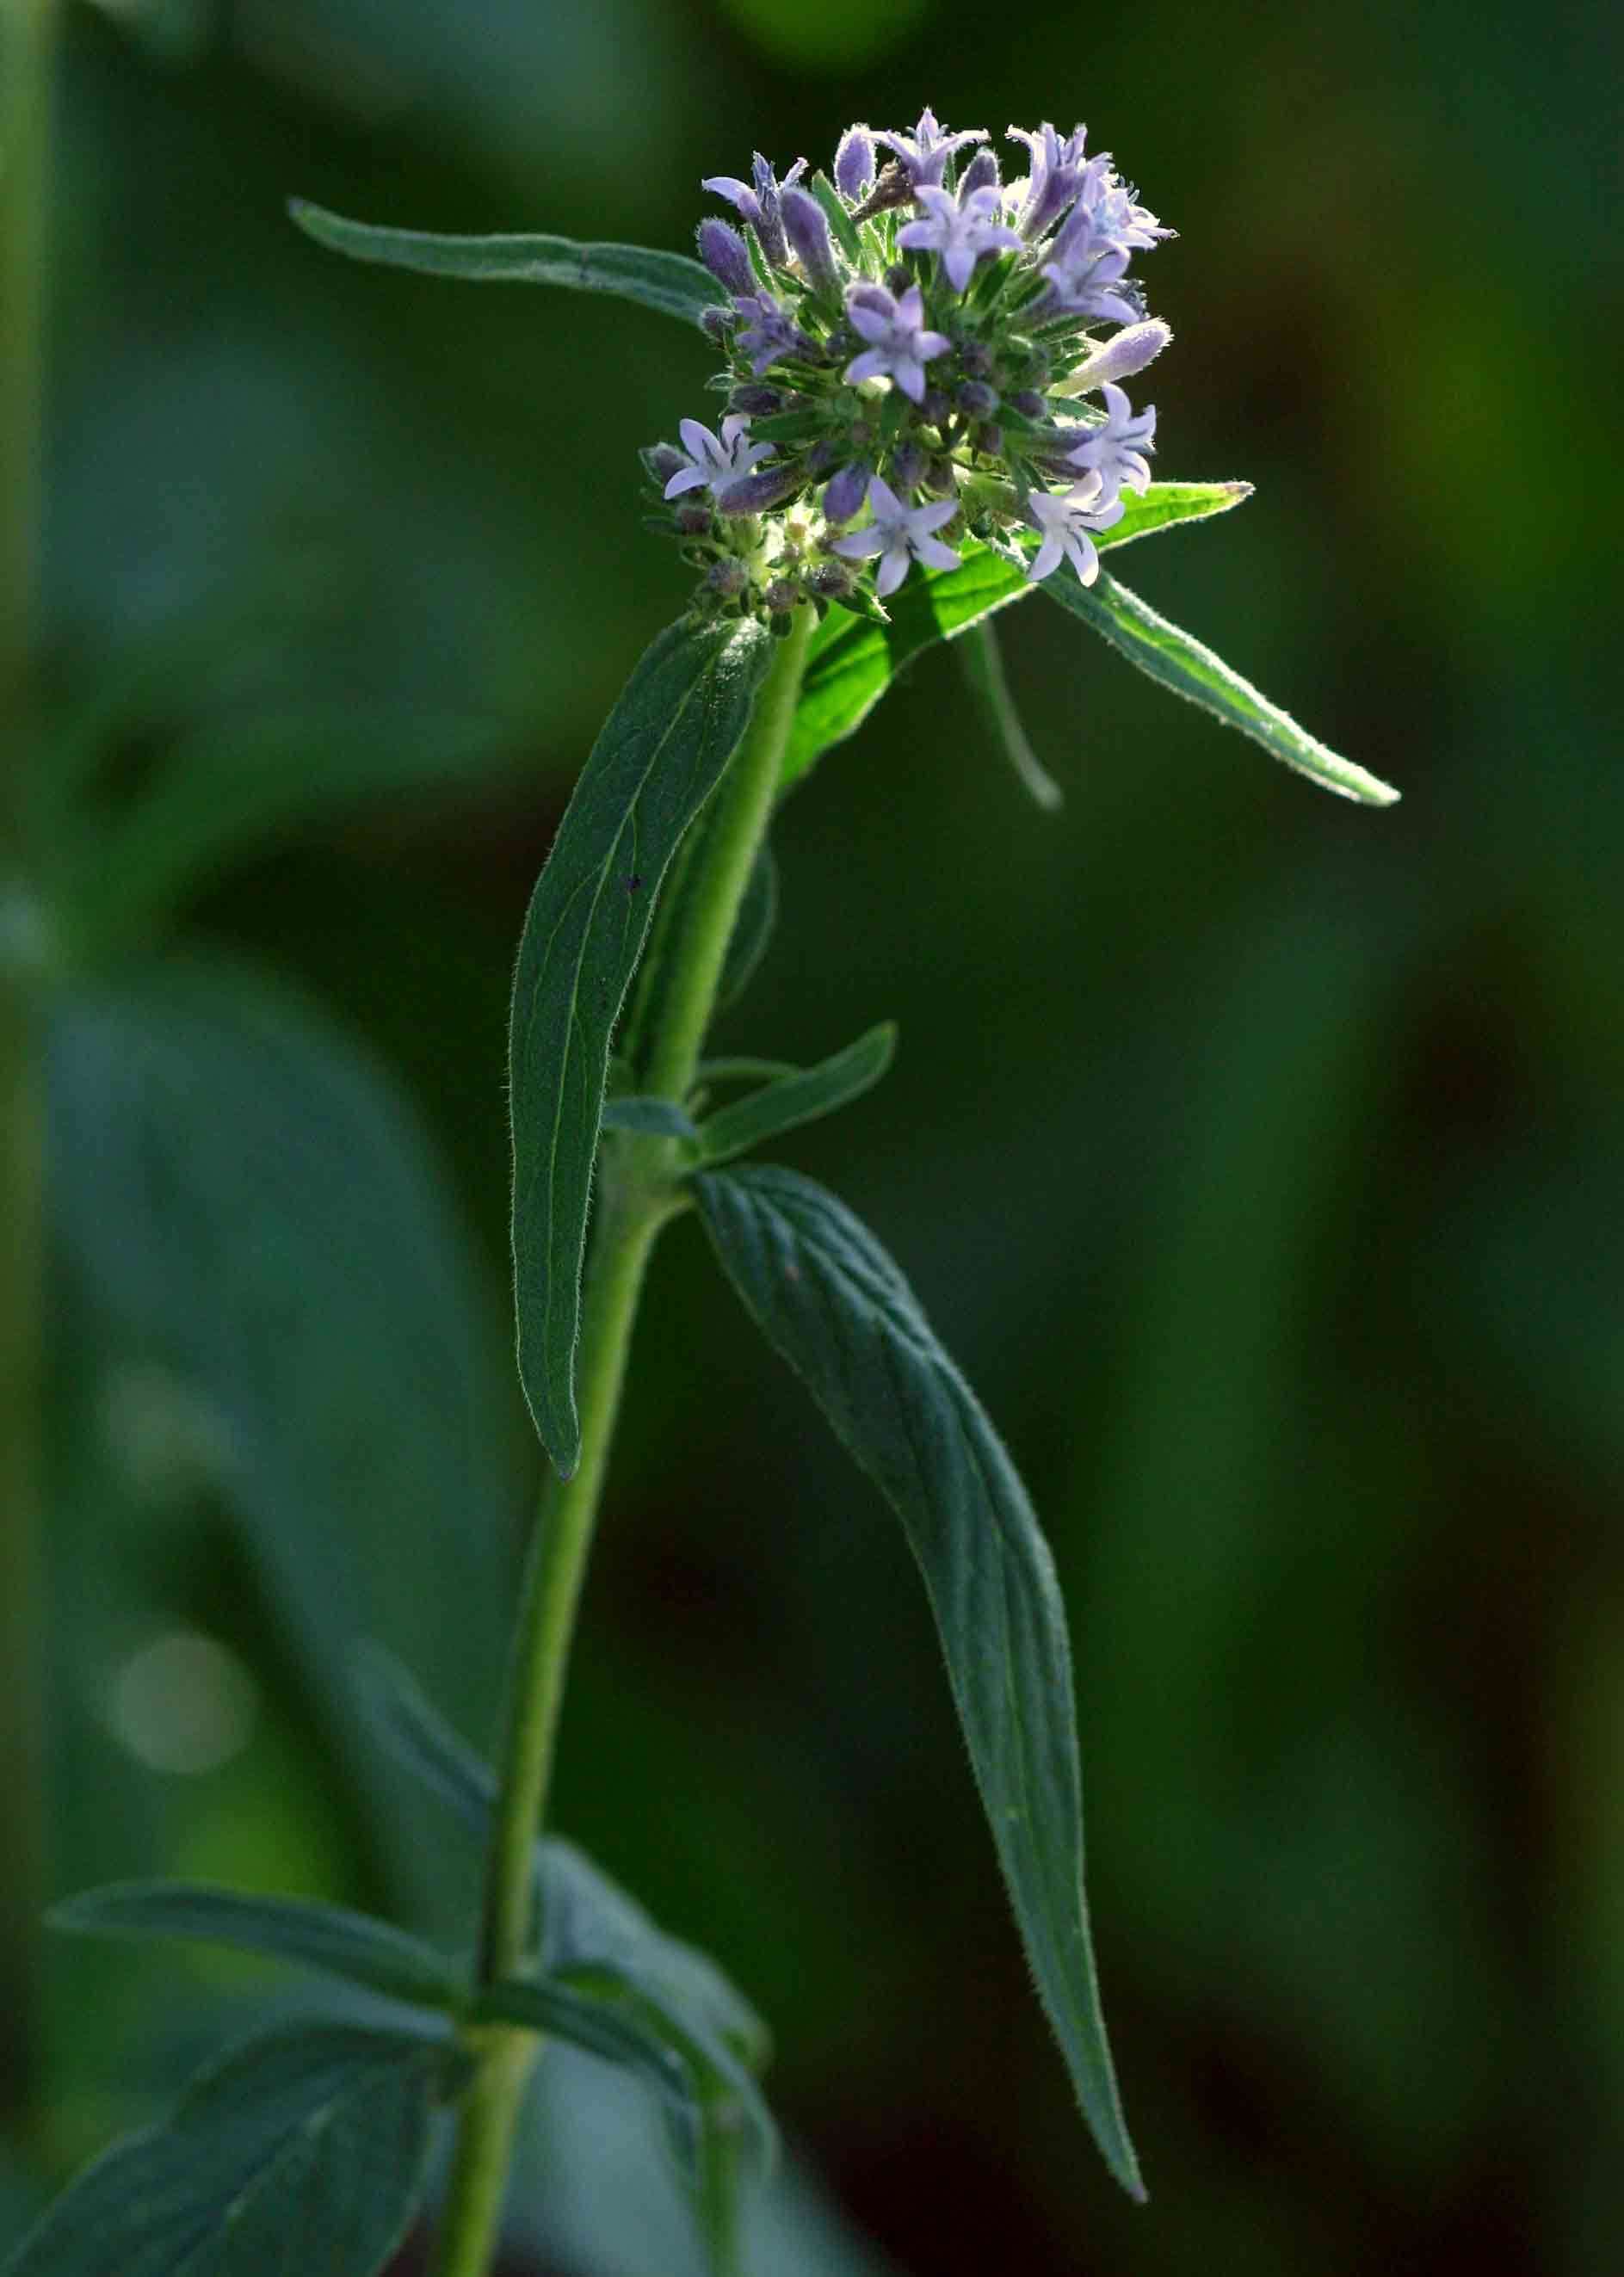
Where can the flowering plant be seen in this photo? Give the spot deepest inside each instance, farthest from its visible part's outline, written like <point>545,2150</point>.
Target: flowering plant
<point>909,440</point>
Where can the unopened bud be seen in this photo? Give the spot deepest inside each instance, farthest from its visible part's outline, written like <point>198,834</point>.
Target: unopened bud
<point>980,174</point>
<point>716,324</point>
<point>908,463</point>
<point>976,400</point>
<point>989,437</point>
<point>1029,403</point>
<point>844,495</point>
<point>759,493</point>
<point>756,401</point>
<point>729,577</point>
<point>661,462</point>
<point>936,405</point>
<point>809,233</point>
<point>831,581</point>
<point>1131,350</point>
<point>854,163</point>
<point>723,253</point>
<point>976,359</point>
<point>692,518</point>
<point>782,594</point>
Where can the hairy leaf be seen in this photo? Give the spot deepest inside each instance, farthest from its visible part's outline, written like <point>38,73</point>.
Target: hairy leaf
<point>852,662</point>
<point>670,282</point>
<point>304,2149</point>
<point>1183,665</point>
<point>831,1301</point>
<point>659,756</point>
<point>318,1936</point>
<point>802,1097</point>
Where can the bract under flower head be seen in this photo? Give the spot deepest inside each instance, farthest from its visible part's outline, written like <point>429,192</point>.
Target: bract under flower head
<point>916,348</point>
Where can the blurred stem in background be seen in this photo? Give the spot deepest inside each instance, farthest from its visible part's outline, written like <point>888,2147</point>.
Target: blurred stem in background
<point>26,37</point>
<point>633,1207</point>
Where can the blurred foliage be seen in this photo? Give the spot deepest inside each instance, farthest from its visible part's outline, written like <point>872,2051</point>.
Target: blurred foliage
<point>1258,1157</point>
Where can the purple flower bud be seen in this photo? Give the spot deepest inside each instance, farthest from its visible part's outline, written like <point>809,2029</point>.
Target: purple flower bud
<point>724,254</point>
<point>715,323</point>
<point>989,438</point>
<point>1132,349</point>
<point>854,163</point>
<point>908,463</point>
<point>976,359</point>
<point>1029,403</point>
<point>661,461</point>
<point>782,595</point>
<point>822,456</point>
<point>845,494</point>
<point>976,400</point>
<point>692,519</point>
<point>756,401</point>
<point>728,578</point>
<point>980,174</point>
<point>831,581</point>
<point>759,493</point>
<point>809,234</point>
<point>937,404</point>
<point>899,277</point>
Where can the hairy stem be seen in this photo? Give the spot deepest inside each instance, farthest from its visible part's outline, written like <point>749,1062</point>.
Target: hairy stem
<point>26,29</point>
<point>636,1202</point>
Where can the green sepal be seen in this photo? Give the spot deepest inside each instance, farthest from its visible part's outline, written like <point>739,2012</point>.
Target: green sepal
<point>839,220</point>
<point>661,753</point>
<point>790,1101</point>
<point>833,1304</point>
<point>314,1935</point>
<point>668,282</point>
<point>1189,669</point>
<point>305,2148</point>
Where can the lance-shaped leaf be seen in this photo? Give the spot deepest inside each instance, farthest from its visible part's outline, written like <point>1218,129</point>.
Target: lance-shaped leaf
<point>670,282</point>
<point>1190,670</point>
<point>801,1097</point>
<point>981,659</point>
<point>304,2149</point>
<point>852,662</point>
<point>660,754</point>
<point>316,1935</point>
<point>835,1306</point>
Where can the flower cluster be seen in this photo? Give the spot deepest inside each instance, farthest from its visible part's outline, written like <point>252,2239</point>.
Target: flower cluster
<point>912,343</point>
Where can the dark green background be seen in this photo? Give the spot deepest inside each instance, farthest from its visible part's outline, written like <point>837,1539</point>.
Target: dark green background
<point>1257,1155</point>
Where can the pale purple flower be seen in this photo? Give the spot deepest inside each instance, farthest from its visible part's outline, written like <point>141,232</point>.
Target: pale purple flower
<point>1116,452</point>
<point>898,344</point>
<point>961,231</point>
<point>759,202</point>
<point>1106,217</point>
<point>925,153</point>
<point>854,163</point>
<point>1067,519</point>
<point>809,234</point>
<point>769,333</point>
<point>713,461</point>
<point>1085,285</point>
<point>900,534</point>
<point>724,254</point>
<point>1055,175</point>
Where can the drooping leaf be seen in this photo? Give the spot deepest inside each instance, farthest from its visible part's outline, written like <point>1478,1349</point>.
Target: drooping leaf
<point>659,756</point>
<point>669,282</point>
<point>304,2149</point>
<point>250,1207</point>
<point>852,662</point>
<point>831,1301</point>
<point>801,1097</point>
<point>981,659</point>
<point>1190,670</point>
<point>331,1939</point>
<point>651,1118</point>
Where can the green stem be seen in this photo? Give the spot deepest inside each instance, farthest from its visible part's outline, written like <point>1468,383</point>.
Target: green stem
<point>637,1199</point>
<point>26,39</point>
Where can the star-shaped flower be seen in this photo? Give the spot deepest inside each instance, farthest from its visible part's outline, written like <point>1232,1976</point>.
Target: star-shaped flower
<point>1067,519</point>
<point>925,153</point>
<point>962,232</point>
<point>1116,452</point>
<point>898,344</point>
<point>900,534</point>
<point>759,202</point>
<point>715,463</point>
